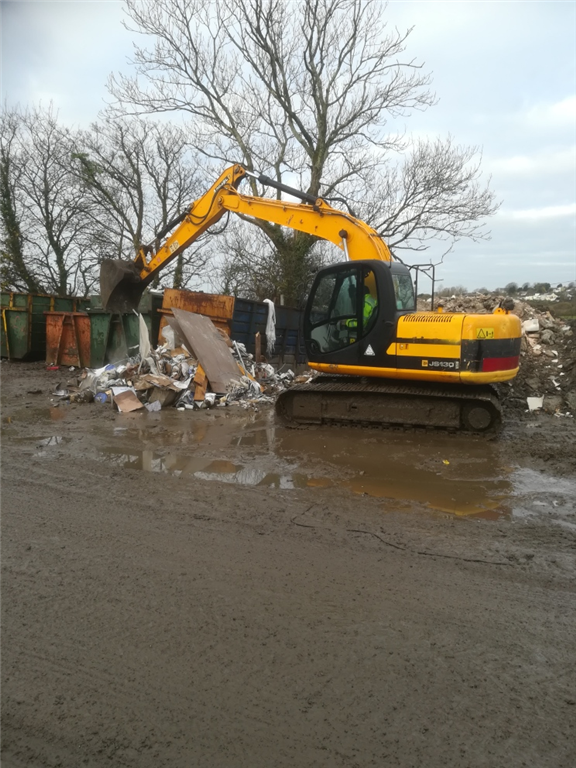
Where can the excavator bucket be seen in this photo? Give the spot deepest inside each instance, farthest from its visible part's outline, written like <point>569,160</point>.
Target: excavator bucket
<point>121,287</point>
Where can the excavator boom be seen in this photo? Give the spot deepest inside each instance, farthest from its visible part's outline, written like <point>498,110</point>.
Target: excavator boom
<point>122,283</point>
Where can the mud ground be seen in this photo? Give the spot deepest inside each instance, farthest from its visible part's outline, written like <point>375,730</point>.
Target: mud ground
<point>203,589</point>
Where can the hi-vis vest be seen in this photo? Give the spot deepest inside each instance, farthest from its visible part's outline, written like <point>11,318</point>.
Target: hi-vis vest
<point>369,307</point>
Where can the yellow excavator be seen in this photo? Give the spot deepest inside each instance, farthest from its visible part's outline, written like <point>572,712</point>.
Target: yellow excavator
<point>382,362</point>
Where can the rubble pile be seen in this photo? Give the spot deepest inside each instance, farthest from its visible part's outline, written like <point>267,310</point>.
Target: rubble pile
<point>547,359</point>
<point>174,377</point>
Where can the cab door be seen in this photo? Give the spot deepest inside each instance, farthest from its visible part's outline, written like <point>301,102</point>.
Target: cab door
<point>332,316</point>
<point>349,317</point>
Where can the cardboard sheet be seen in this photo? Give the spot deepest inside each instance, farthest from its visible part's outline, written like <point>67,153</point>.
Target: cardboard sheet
<point>207,344</point>
<point>127,401</point>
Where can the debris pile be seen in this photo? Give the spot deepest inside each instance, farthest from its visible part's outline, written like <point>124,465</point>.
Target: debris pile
<point>547,359</point>
<point>217,373</point>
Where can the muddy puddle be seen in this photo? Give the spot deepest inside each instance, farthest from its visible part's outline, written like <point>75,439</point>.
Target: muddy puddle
<point>453,474</point>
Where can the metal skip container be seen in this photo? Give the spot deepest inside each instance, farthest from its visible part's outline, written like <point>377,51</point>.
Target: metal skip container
<point>68,339</point>
<point>218,308</point>
<point>23,328</point>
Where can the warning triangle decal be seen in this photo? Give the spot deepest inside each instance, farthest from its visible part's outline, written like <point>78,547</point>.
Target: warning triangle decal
<point>370,351</point>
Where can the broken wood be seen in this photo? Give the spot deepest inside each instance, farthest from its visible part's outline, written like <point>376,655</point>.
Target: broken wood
<point>201,383</point>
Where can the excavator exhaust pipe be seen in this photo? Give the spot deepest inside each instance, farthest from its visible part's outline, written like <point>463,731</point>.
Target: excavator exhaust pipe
<point>121,287</point>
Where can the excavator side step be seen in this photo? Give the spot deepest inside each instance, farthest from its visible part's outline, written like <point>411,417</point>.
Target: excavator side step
<point>332,400</point>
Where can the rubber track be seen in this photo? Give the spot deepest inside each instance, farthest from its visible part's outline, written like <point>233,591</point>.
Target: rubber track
<point>343,385</point>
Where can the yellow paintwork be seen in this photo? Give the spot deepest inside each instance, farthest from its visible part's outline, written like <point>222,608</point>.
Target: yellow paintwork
<point>425,374</point>
<point>203,213</point>
<point>362,242</point>
<point>387,373</point>
<point>489,377</point>
<point>431,325</point>
<point>414,330</point>
<point>504,326</point>
<point>451,352</point>
<point>321,220</point>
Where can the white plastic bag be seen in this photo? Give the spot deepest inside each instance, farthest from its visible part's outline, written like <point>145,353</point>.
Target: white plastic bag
<point>270,328</point>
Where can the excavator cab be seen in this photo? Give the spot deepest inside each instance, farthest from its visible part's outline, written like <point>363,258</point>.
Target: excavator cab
<point>352,311</point>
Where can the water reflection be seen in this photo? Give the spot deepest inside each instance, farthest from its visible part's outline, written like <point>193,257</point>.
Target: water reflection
<point>455,474</point>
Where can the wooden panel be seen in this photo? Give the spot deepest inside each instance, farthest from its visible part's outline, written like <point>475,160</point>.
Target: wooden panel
<point>201,383</point>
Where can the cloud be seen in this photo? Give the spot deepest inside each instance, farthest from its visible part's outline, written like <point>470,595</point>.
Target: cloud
<point>559,114</point>
<point>547,212</point>
<point>540,162</point>
<point>503,72</point>
<point>71,47</point>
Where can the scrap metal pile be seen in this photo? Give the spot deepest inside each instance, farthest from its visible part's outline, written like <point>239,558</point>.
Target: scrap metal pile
<point>196,367</point>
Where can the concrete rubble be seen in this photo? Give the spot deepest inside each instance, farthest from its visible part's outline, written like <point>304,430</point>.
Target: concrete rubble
<point>547,356</point>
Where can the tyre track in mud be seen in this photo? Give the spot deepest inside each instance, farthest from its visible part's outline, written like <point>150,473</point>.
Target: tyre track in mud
<point>119,701</point>
<point>156,620</point>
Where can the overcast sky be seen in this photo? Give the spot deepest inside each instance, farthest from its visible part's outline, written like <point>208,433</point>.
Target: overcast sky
<point>504,73</point>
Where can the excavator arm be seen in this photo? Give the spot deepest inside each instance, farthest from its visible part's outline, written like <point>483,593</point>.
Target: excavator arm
<point>122,283</point>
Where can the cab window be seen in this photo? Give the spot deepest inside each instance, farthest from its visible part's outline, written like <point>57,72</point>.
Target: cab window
<point>334,310</point>
<point>344,308</point>
<point>403,292</point>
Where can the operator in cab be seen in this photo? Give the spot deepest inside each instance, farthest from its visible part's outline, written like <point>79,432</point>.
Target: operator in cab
<point>370,304</point>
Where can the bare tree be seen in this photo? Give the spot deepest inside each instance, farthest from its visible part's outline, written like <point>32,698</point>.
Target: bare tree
<point>434,194</point>
<point>139,175</point>
<point>15,272</point>
<point>253,269</point>
<point>52,207</point>
<point>310,91</point>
